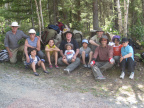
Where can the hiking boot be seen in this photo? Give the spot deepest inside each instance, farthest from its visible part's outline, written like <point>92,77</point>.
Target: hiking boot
<point>131,75</point>
<point>56,66</point>
<point>67,71</point>
<point>45,71</point>
<point>122,75</point>
<point>36,74</point>
<point>85,65</point>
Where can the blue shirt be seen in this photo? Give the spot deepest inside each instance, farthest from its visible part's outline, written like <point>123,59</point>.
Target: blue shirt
<point>126,50</point>
<point>32,43</point>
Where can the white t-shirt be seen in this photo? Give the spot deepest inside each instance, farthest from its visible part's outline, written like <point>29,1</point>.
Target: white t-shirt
<point>69,54</point>
<point>35,60</point>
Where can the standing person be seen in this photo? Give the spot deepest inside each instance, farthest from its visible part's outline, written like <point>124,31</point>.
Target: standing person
<point>104,56</point>
<point>35,62</point>
<point>94,41</point>
<point>11,41</point>
<point>116,49</point>
<point>69,53</point>
<point>86,53</point>
<point>51,50</point>
<point>127,59</point>
<point>69,39</point>
<point>32,42</point>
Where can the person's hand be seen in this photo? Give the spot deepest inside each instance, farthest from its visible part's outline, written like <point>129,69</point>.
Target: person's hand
<point>121,59</point>
<point>64,57</point>
<point>10,54</point>
<point>74,57</point>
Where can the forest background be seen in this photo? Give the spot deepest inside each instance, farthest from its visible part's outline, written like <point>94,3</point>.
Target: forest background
<point>119,17</point>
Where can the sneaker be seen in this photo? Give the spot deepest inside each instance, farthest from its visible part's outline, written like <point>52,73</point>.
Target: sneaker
<point>45,71</point>
<point>85,65</point>
<point>131,75</point>
<point>101,78</point>
<point>89,66</point>
<point>122,75</point>
<point>67,71</point>
<point>36,74</point>
<point>56,66</point>
<point>50,66</point>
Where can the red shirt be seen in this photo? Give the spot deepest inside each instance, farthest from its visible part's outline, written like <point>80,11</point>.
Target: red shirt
<point>117,50</point>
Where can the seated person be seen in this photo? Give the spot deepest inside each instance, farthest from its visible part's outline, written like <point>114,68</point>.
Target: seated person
<point>52,51</point>
<point>69,53</point>
<point>127,58</point>
<point>104,56</point>
<point>32,42</point>
<point>85,53</point>
<point>116,49</point>
<point>35,62</point>
<point>69,39</point>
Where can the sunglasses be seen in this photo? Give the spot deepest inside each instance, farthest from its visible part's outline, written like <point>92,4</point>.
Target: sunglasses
<point>123,42</point>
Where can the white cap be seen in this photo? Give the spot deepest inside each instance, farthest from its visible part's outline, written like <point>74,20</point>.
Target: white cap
<point>32,31</point>
<point>14,24</point>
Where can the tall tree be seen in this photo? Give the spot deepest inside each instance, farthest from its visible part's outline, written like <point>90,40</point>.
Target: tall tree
<point>95,15</point>
<point>126,6</point>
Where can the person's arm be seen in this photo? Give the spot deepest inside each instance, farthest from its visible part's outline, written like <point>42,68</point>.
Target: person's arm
<point>110,53</point>
<point>93,43</point>
<point>56,49</point>
<point>95,53</point>
<point>38,45</point>
<point>24,35</point>
<point>26,52</point>
<point>48,49</point>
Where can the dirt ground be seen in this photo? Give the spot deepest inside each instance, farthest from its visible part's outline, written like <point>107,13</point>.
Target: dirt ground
<point>19,88</point>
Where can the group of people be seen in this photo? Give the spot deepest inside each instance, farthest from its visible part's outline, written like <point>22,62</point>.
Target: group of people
<point>99,57</point>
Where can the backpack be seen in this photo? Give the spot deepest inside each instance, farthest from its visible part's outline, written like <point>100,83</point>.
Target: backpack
<point>61,26</point>
<point>4,56</point>
<point>56,28</point>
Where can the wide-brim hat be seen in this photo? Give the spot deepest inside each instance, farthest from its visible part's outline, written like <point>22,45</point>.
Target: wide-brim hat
<point>15,24</point>
<point>68,44</point>
<point>104,37</point>
<point>124,40</point>
<point>68,32</point>
<point>99,30</point>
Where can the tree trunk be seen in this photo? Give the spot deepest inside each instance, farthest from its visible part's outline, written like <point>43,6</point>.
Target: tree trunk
<point>54,14</point>
<point>32,14</point>
<point>126,6</point>
<point>41,15</point>
<point>119,17</point>
<point>116,15</point>
<point>142,9</point>
<point>37,11</point>
<point>95,15</point>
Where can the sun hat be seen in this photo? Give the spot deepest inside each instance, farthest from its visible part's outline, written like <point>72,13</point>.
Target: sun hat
<point>14,24</point>
<point>68,32</point>
<point>124,40</point>
<point>32,31</point>
<point>99,30</point>
<point>116,37</point>
<point>85,40</point>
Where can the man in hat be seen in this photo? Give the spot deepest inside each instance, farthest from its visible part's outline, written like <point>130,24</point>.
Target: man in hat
<point>11,41</point>
<point>94,41</point>
<point>103,56</point>
<point>127,58</point>
<point>69,39</point>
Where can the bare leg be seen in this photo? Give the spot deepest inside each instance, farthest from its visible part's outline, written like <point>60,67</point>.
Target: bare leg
<point>48,56</point>
<point>73,60</point>
<point>56,57</point>
<point>33,67</point>
<point>90,57</point>
<point>40,63</point>
<point>83,57</point>
<point>65,61</point>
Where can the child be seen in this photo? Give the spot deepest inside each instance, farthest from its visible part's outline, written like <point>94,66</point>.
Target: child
<point>52,50</point>
<point>69,53</point>
<point>116,49</point>
<point>35,62</point>
<point>86,53</point>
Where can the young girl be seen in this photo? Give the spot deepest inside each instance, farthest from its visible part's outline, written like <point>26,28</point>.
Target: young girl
<point>35,62</point>
<point>52,50</point>
<point>86,53</point>
<point>116,49</point>
<point>69,53</point>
